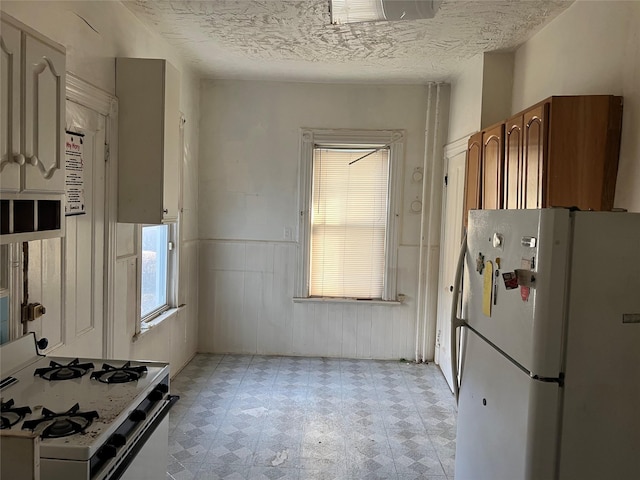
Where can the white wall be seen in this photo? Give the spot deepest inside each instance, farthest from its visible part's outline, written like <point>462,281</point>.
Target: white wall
<point>497,85</point>
<point>248,196</point>
<point>480,94</point>
<point>465,113</point>
<point>91,56</point>
<point>591,48</point>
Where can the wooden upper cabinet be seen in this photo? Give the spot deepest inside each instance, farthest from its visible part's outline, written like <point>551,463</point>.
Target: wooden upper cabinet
<point>492,162</point>
<point>583,150</point>
<point>513,164</point>
<point>534,156</point>
<point>525,158</point>
<point>561,152</point>
<point>473,175</point>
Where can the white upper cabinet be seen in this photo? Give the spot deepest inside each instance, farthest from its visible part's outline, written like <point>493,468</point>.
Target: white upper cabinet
<point>32,112</point>
<point>148,93</point>
<point>12,159</point>
<point>44,117</point>
<point>32,115</point>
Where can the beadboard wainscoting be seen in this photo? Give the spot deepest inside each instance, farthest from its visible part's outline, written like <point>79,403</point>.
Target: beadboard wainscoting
<point>248,307</point>
<point>174,340</point>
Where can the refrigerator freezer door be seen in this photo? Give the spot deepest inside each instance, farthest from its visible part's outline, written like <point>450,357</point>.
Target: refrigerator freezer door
<point>601,422</point>
<point>527,328</point>
<point>507,422</point>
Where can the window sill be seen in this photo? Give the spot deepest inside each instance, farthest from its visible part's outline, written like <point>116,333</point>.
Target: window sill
<point>345,300</point>
<point>148,326</point>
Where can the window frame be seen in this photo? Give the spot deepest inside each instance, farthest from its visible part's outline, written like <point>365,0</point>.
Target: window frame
<point>309,140</point>
<point>172,278</point>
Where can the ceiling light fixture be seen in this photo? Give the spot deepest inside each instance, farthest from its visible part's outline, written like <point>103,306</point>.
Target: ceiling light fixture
<point>355,11</point>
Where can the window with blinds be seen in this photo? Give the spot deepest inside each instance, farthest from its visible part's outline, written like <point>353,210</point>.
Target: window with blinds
<point>349,211</point>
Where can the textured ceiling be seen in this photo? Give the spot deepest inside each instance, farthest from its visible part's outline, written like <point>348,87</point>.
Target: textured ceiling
<point>293,39</point>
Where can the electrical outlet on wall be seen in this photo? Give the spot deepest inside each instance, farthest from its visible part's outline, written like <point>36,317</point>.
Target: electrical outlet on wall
<point>288,233</point>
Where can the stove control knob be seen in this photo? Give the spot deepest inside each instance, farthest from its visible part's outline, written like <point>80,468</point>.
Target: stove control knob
<point>42,343</point>
<point>106,452</point>
<point>117,440</point>
<point>138,416</point>
<point>161,387</point>
<point>155,395</point>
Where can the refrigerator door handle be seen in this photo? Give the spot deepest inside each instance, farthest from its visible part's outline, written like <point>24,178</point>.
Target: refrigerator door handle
<point>457,322</point>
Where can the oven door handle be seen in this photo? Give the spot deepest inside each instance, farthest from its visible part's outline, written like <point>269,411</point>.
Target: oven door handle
<point>131,455</point>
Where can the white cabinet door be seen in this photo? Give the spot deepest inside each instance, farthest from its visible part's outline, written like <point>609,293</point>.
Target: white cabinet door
<point>171,171</point>
<point>148,140</point>
<point>10,50</point>
<point>44,117</point>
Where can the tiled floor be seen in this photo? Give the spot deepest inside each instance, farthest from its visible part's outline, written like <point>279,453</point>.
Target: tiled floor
<point>251,417</point>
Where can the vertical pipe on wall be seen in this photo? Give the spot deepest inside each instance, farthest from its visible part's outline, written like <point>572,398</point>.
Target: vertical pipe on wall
<point>430,168</point>
<point>419,354</point>
<point>436,126</point>
<point>438,138</point>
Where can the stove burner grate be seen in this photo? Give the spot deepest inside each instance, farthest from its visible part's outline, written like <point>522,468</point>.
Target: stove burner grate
<point>124,374</point>
<point>9,416</point>
<point>57,371</point>
<point>64,424</point>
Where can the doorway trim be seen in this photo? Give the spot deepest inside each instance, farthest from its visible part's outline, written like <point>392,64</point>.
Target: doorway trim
<point>452,151</point>
<point>84,93</point>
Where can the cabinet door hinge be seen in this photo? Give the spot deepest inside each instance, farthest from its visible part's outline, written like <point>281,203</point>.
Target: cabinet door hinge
<point>446,180</point>
<point>106,152</point>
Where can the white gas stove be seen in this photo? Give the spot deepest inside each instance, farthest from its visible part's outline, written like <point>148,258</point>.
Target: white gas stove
<point>96,418</point>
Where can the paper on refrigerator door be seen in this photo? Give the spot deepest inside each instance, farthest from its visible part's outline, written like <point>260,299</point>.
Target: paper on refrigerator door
<point>487,288</point>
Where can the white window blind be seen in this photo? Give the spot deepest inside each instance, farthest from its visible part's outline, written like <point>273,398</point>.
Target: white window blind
<point>348,222</point>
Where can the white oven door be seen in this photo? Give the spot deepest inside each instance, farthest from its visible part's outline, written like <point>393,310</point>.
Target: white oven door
<point>147,457</point>
<point>151,461</point>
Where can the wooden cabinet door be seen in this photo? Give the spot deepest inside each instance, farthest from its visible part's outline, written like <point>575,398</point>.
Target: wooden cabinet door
<point>492,161</point>
<point>583,150</point>
<point>513,163</point>
<point>44,117</point>
<point>534,154</point>
<point>10,160</point>
<point>473,175</point>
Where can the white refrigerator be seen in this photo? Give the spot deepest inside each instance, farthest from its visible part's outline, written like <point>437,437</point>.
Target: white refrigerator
<point>548,359</point>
